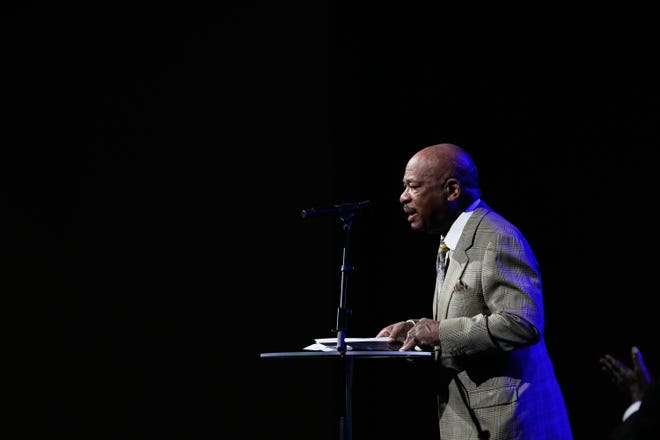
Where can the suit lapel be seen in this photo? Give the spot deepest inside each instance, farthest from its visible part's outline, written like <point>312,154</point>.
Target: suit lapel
<point>457,264</point>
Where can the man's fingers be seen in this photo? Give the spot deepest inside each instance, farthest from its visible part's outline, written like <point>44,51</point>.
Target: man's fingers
<point>637,359</point>
<point>638,362</point>
<point>409,342</point>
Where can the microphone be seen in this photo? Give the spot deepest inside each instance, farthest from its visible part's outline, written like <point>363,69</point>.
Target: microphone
<point>342,208</point>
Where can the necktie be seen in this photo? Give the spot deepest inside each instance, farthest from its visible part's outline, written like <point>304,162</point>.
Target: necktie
<point>441,267</point>
<point>441,263</point>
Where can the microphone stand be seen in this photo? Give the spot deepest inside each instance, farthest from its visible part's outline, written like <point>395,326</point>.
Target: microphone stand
<point>346,363</point>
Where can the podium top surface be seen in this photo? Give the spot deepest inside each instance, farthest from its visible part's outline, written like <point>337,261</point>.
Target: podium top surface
<point>349,353</point>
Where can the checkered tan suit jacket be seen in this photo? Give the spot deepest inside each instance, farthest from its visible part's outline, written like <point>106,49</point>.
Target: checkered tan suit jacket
<point>496,375</point>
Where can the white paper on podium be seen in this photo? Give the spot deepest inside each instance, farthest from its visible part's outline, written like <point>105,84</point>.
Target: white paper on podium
<point>362,344</point>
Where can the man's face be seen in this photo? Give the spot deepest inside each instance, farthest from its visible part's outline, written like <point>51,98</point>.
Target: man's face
<point>423,198</point>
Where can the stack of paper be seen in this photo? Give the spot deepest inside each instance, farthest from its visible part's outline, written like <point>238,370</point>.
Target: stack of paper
<point>360,344</point>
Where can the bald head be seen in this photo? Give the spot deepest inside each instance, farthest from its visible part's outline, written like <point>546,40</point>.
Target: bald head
<point>439,182</point>
<point>444,161</point>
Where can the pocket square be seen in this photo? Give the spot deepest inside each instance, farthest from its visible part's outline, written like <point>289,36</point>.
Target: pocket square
<point>460,285</point>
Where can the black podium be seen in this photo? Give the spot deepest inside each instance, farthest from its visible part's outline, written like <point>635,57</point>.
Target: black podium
<point>346,360</point>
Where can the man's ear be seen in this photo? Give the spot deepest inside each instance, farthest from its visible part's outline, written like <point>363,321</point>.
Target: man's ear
<point>453,188</point>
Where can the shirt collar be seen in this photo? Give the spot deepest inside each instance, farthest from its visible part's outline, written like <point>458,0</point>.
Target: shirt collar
<point>456,229</point>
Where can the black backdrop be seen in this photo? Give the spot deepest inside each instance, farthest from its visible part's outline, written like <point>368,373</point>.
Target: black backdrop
<point>156,159</point>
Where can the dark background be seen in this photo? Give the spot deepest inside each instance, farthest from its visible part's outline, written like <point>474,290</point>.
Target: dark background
<point>156,158</point>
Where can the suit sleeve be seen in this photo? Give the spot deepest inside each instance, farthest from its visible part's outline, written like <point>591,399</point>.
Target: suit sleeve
<point>497,305</point>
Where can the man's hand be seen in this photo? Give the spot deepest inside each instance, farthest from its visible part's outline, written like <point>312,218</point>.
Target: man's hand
<point>631,381</point>
<point>425,333</point>
<point>396,332</point>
